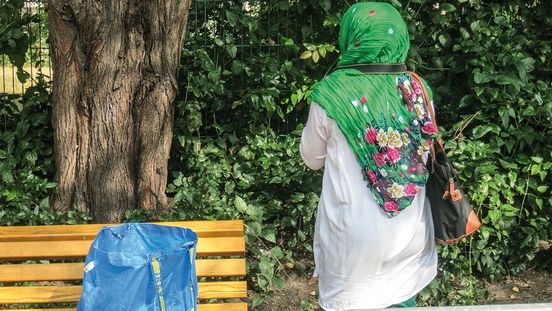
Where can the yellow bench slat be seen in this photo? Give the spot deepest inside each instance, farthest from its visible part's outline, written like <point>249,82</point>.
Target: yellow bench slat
<point>219,228</point>
<point>223,246</point>
<point>39,294</point>
<point>74,271</point>
<point>239,306</point>
<point>222,290</point>
<point>56,294</point>
<point>236,306</point>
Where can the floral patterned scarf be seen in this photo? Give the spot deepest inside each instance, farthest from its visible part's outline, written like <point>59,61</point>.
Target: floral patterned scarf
<point>382,116</point>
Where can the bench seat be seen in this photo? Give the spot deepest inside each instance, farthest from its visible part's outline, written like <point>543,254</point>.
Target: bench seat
<point>37,257</point>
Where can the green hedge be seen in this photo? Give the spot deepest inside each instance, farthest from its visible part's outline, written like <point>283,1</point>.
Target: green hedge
<point>247,70</point>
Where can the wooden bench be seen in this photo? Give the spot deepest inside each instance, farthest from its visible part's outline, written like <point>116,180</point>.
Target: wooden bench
<point>44,265</point>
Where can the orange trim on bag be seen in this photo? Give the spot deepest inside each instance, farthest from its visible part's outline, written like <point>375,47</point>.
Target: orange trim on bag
<point>453,193</point>
<point>471,226</point>
<point>473,223</point>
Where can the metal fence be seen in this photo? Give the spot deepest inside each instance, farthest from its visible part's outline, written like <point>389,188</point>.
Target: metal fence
<point>37,60</point>
<point>202,22</point>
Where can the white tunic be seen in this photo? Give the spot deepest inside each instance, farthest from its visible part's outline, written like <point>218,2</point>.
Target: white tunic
<point>364,260</point>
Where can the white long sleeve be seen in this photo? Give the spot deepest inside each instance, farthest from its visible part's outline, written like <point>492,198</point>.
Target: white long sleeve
<point>314,138</point>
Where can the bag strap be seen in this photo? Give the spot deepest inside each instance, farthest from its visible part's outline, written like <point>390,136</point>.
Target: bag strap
<point>384,68</point>
<point>429,109</point>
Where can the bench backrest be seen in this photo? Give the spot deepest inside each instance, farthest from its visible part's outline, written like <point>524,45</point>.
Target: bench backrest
<point>44,265</point>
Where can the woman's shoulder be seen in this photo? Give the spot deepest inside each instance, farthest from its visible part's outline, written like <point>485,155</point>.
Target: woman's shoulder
<point>328,82</point>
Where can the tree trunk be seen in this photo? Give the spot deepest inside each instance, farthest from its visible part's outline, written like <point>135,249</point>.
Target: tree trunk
<point>114,75</point>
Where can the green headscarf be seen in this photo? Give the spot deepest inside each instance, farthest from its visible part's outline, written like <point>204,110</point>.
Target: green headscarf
<point>382,116</point>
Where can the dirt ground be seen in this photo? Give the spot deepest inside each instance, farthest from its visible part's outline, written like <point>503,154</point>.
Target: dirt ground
<point>530,287</point>
<point>300,294</point>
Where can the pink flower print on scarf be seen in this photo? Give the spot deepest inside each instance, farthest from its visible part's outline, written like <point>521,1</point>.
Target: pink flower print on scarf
<point>429,128</point>
<point>371,135</point>
<point>393,155</point>
<point>379,159</point>
<point>410,190</point>
<point>416,86</point>
<point>390,206</point>
<point>372,177</point>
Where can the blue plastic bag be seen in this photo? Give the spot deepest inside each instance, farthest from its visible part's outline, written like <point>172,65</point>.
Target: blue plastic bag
<point>141,267</point>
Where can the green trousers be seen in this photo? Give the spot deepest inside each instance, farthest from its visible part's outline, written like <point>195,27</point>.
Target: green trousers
<point>410,303</point>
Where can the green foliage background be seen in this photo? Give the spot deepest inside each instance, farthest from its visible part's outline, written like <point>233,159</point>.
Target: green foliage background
<point>247,70</point>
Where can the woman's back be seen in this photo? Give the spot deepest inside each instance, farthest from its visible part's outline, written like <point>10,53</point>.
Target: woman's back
<point>364,259</point>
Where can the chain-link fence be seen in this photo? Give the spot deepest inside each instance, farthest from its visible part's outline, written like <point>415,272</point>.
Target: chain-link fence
<point>203,28</point>
<point>37,60</point>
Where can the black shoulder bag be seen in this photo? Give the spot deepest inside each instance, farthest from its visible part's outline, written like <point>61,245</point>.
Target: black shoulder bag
<point>453,216</point>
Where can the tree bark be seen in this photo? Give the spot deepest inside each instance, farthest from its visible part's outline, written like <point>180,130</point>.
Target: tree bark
<point>114,82</point>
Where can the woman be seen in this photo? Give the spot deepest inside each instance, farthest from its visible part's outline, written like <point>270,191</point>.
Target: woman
<point>367,125</point>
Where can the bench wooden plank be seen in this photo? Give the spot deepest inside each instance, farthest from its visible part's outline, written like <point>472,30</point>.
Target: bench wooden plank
<point>222,290</point>
<point>239,306</point>
<point>56,294</point>
<point>223,246</point>
<point>41,272</point>
<point>220,267</point>
<point>219,228</point>
<point>39,294</point>
<point>74,271</point>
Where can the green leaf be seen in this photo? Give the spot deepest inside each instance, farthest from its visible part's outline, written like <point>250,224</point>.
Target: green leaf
<point>44,203</point>
<point>494,215</point>
<point>232,50</point>
<point>268,234</point>
<point>315,56</point>
<point>257,300</point>
<point>229,188</point>
<point>444,40</point>
<point>231,17</point>
<point>475,26</point>
<point>277,252</point>
<point>262,281</point>
<point>267,267</point>
<point>542,189</point>
<point>255,228</point>
<point>252,211</point>
<point>447,7</point>
<point>10,195</point>
<point>294,99</point>
<point>278,282</point>
<point>481,77</point>
<point>537,159</point>
<point>465,34</point>
<point>504,117</point>
<point>396,3</point>
<point>481,131</point>
<point>7,177</point>
<point>322,51</point>
<point>240,204</point>
<point>306,54</point>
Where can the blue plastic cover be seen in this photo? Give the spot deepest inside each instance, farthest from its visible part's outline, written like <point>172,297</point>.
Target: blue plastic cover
<point>139,267</point>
